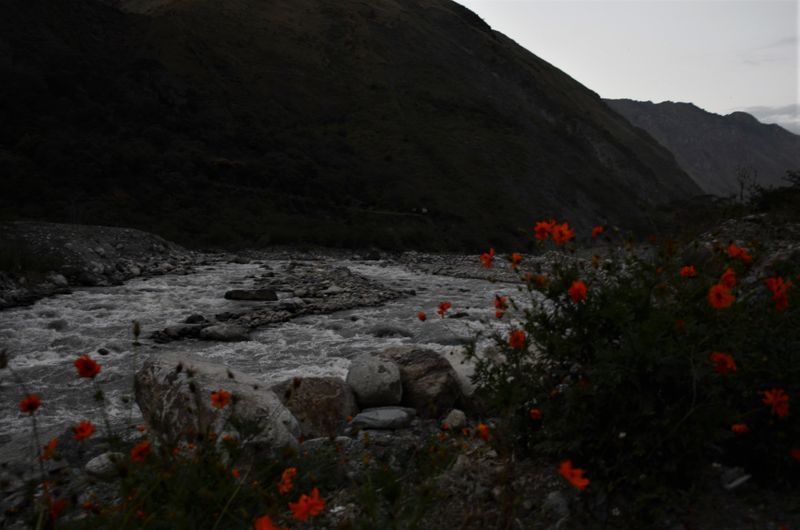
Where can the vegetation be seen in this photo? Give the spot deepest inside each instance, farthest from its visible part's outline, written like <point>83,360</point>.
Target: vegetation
<point>645,366</point>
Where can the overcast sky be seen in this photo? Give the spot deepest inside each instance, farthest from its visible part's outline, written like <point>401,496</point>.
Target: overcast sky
<point>722,55</point>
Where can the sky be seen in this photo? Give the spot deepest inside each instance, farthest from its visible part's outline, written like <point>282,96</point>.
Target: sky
<point>721,55</point>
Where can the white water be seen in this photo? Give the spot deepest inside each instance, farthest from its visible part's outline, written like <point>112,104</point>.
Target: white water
<point>46,338</point>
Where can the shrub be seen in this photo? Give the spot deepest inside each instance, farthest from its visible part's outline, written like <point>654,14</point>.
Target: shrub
<point>654,370</point>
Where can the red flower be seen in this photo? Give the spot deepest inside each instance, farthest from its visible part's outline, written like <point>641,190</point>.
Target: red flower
<point>562,233</point>
<point>778,400</point>
<point>740,428</point>
<point>30,403</point>
<point>516,259</point>
<point>597,230</point>
<point>87,367</point>
<point>688,271</point>
<point>56,507</point>
<point>577,292</point>
<point>286,485</point>
<point>720,296</point>
<point>486,258</point>
<point>220,399</point>
<point>794,452</point>
<point>265,523</point>
<point>723,362</point>
<point>140,451</point>
<point>500,305</point>
<point>728,278</point>
<point>543,229</point>
<point>307,506</point>
<point>49,450</point>
<point>740,253</point>
<point>573,475</point>
<point>535,413</point>
<point>83,430</point>
<point>235,472</point>
<point>780,292</point>
<point>422,316</point>
<point>516,340</point>
<point>482,432</point>
<point>443,307</point>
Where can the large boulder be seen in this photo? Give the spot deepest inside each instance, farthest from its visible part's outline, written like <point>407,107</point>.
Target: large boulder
<point>322,405</point>
<point>174,393</point>
<point>375,381</point>
<point>430,384</point>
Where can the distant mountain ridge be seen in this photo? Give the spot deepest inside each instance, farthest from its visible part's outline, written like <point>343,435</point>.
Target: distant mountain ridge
<point>714,149</point>
<point>399,123</point>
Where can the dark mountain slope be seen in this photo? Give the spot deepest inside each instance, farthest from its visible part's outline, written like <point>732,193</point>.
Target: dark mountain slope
<point>252,121</point>
<point>715,149</point>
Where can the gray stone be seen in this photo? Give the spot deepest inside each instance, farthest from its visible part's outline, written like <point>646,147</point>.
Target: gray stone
<point>224,333</point>
<point>386,330</point>
<point>291,304</point>
<point>375,381</point>
<point>332,290</point>
<point>321,405</point>
<point>382,418</point>
<point>430,384</point>
<point>456,419</point>
<point>57,325</point>
<point>258,295</point>
<point>57,279</point>
<point>105,466</point>
<point>174,394</point>
<point>555,505</point>
<point>195,319</point>
<point>180,331</point>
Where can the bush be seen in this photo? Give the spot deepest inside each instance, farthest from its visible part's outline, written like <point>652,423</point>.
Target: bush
<point>644,377</point>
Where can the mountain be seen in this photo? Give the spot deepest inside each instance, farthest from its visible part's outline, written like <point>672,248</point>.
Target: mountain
<point>715,150</point>
<point>398,123</point>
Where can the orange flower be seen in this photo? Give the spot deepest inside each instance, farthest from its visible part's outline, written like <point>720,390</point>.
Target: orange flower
<point>543,229</point>
<point>728,278</point>
<point>140,451</point>
<point>220,399</point>
<point>516,340</point>
<point>87,367</point>
<point>535,413</point>
<point>688,271</point>
<point>516,259</point>
<point>778,400</point>
<point>780,292</point>
<point>720,296</point>
<point>286,485</point>
<point>487,257</point>
<point>740,253</point>
<point>562,233</point>
<point>500,305</point>
<point>307,506</point>
<point>597,230</point>
<point>573,475</point>
<point>265,523</point>
<point>740,428</point>
<point>422,316</point>
<point>83,430</point>
<point>723,362</point>
<point>577,292</point>
<point>30,403</point>
<point>49,450</point>
<point>482,432</point>
<point>443,307</point>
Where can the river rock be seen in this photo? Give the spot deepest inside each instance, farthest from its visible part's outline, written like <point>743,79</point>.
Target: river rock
<point>455,419</point>
<point>383,418</point>
<point>224,333</point>
<point>375,381</point>
<point>105,466</point>
<point>174,394</point>
<point>259,295</point>
<point>322,405</point>
<point>430,384</point>
<point>180,331</point>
